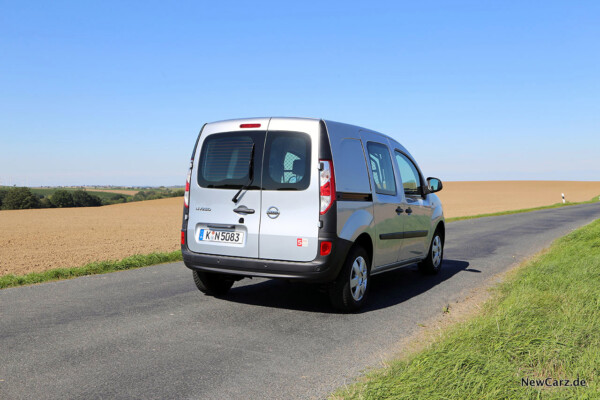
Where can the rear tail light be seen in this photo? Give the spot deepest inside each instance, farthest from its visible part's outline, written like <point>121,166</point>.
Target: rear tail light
<point>325,248</point>
<point>186,195</point>
<point>182,237</point>
<point>327,183</point>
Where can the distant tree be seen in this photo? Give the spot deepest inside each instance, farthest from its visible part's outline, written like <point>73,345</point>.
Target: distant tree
<point>146,195</point>
<point>19,198</point>
<point>46,203</point>
<point>62,198</point>
<point>3,193</point>
<point>115,199</point>
<point>84,199</point>
<point>154,194</point>
<point>139,196</point>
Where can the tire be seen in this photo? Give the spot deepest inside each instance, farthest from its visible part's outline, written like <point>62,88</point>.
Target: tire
<point>350,289</point>
<point>212,284</point>
<point>433,263</point>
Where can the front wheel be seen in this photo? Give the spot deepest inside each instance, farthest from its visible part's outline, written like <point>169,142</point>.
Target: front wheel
<point>212,284</point>
<point>349,291</point>
<point>433,263</point>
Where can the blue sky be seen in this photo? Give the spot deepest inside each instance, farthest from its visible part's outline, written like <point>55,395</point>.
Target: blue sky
<point>115,92</point>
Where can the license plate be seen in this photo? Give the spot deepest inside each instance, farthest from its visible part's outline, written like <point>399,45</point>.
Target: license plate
<point>208,235</point>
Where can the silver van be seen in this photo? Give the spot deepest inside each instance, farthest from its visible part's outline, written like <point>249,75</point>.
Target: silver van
<point>310,200</point>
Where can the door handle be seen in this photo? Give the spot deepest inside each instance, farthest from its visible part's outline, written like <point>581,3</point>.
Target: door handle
<point>399,210</point>
<point>409,210</point>
<point>243,210</point>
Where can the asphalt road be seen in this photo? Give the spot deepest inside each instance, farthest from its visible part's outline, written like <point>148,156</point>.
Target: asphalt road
<point>149,333</point>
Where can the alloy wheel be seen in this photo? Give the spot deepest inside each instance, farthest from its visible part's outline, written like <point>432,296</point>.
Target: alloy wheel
<point>358,278</point>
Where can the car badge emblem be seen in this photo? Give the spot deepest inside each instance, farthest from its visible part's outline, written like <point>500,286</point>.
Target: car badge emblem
<point>273,212</point>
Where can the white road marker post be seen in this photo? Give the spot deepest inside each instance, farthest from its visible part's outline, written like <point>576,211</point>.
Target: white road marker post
<point>563,196</point>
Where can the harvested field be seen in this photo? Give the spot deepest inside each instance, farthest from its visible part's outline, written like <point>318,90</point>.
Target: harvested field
<point>461,199</point>
<point>38,240</point>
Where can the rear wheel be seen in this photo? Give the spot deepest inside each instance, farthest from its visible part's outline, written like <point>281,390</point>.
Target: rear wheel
<point>433,263</point>
<point>349,291</point>
<point>212,284</point>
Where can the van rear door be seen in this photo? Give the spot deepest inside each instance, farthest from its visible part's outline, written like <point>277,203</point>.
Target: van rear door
<point>228,157</point>
<point>289,227</point>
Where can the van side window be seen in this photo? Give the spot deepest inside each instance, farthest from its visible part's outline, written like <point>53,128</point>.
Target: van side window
<point>287,161</point>
<point>381,166</point>
<point>349,156</point>
<point>409,175</point>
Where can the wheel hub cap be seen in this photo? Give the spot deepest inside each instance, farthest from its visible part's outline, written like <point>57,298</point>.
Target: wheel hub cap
<point>436,251</point>
<point>358,278</point>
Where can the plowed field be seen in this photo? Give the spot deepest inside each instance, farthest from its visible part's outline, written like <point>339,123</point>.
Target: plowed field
<point>37,240</point>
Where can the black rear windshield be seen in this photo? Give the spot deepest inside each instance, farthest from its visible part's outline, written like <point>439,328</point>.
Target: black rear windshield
<point>225,160</point>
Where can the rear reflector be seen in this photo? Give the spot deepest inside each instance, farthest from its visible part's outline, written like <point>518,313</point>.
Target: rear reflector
<point>182,238</point>
<point>250,126</point>
<point>325,248</point>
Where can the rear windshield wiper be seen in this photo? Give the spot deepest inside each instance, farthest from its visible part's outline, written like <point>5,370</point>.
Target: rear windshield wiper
<point>250,176</point>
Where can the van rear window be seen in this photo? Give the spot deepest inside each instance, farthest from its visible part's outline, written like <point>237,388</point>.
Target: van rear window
<point>287,158</point>
<point>225,160</point>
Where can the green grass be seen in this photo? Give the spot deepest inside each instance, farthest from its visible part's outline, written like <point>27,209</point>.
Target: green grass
<point>544,321</point>
<point>99,267</point>
<point>557,205</point>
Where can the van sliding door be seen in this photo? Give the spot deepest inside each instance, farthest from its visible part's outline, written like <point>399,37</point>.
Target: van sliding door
<point>389,223</point>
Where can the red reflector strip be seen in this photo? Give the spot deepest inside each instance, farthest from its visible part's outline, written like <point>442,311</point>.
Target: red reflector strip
<point>325,248</point>
<point>182,237</point>
<point>250,126</point>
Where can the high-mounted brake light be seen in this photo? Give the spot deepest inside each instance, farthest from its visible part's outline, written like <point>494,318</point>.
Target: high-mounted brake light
<point>186,195</point>
<point>327,185</point>
<point>250,126</point>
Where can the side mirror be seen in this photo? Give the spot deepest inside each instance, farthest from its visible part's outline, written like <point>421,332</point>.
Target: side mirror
<point>434,185</point>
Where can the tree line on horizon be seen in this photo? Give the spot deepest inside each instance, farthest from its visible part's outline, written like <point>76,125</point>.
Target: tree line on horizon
<point>20,198</point>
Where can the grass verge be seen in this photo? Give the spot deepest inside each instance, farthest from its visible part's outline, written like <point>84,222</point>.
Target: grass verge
<point>595,199</point>
<point>540,323</point>
<point>98,267</point>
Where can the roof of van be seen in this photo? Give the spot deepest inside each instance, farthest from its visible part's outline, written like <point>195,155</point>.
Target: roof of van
<point>255,118</point>
<point>327,121</point>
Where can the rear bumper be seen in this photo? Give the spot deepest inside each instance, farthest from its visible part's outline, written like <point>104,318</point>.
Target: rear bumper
<point>321,270</point>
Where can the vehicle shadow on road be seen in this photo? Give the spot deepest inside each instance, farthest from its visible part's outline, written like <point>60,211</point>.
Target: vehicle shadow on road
<point>386,290</point>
